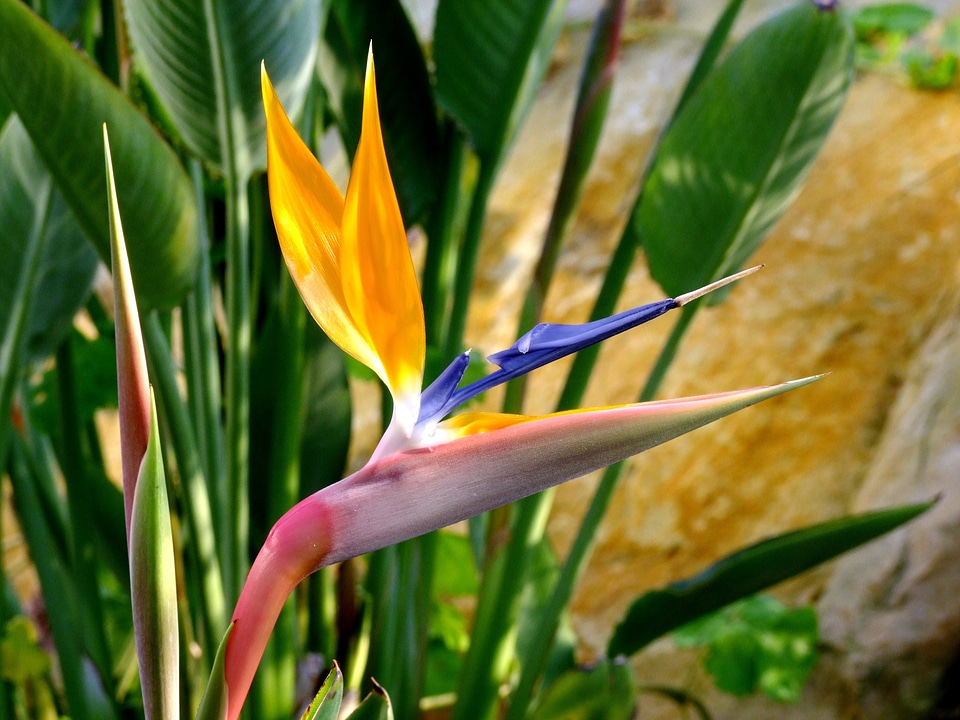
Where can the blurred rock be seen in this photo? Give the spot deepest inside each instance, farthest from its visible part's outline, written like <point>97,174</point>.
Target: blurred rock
<point>890,610</point>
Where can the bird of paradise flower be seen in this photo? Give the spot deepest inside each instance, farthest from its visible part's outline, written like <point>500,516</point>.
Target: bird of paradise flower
<point>349,258</point>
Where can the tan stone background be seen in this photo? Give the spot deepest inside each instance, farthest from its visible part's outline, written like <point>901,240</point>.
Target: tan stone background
<point>858,273</point>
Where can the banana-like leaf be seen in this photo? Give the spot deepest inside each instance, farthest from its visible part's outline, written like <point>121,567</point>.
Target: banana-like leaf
<point>153,585</point>
<point>326,704</point>
<point>747,572</point>
<point>63,101</point>
<point>407,111</point>
<point>738,152</point>
<point>203,61</point>
<point>31,210</point>
<point>490,57</point>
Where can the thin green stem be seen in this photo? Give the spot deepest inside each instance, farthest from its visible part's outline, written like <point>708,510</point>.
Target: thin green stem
<point>196,503</point>
<point>236,493</point>
<point>467,259</point>
<point>80,495</point>
<point>493,637</point>
<point>201,364</point>
<point>582,547</point>
<point>440,264</point>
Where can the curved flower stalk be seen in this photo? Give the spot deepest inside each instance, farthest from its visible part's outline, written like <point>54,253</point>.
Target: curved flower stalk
<point>349,258</point>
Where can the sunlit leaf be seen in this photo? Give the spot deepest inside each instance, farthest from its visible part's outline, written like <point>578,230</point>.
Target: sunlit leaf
<point>737,154</point>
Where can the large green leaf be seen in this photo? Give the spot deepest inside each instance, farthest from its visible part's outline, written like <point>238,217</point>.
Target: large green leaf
<point>31,210</point>
<point>747,572</point>
<point>738,152</point>
<point>203,61</point>
<point>490,57</point>
<point>62,101</point>
<point>407,112</point>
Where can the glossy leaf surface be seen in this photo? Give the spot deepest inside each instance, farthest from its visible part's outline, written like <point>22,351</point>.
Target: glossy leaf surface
<point>63,101</point>
<point>203,61</point>
<point>737,154</point>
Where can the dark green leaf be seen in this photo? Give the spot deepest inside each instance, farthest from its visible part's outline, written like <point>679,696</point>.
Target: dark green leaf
<point>738,152</point>
<point>211,88</point>
<point>407,112</point>
<point>155,193</point>
<point>606,691</point>
<point>31,207</point>
<point>906,18</point>
<point>748,572</point>
<point>455,573</point>
<point>490,57</point>
<point>326,704</point>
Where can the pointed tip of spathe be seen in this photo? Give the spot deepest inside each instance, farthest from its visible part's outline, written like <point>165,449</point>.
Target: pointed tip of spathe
<point>689,297</point>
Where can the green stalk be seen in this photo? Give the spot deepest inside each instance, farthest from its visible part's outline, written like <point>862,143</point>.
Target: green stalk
<point>202,367</point>
<point>582,546</point>
<point>273,690</point>
<point>441,261</point>
<point>56,584</point>
<point>236,508</point>
<point>196,503</point>
<point>80,494</point>
<point>493,637</point>
<point>467,259</point>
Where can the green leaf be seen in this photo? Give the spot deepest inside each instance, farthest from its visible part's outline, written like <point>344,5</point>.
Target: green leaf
<point>31,207</point>
<point>326,704</point>
<point>21,657</point>
<point>930,72</point>
<point>757,644</point>
<point>606,691</point>
<point>155,193</point>
<point>905,18</point>
<point>375,706</point>
<point>738,152</point>
<point>203,61</point>
<point>747,572</point>
<point>407,113</point>
<point>153,586</point>
<point>490,57</point>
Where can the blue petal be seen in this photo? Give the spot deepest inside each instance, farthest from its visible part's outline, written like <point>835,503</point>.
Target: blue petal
<point>436,397</point>
<point>543,344</point>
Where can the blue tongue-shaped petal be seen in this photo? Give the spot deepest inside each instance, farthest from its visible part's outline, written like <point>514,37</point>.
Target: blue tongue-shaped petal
<point>540,346</point>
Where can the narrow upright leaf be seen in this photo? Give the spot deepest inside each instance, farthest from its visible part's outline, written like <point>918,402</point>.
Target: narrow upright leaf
<point>63,101</point>
<point>153,586</point>
<point>741,147</point>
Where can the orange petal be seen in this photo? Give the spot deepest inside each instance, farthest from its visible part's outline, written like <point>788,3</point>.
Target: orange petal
<point>379,281</point>
<point>307,211</point>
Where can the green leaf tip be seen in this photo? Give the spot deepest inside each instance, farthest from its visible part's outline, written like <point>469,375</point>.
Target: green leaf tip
<point>213,705</point>
<point>326,704</point>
